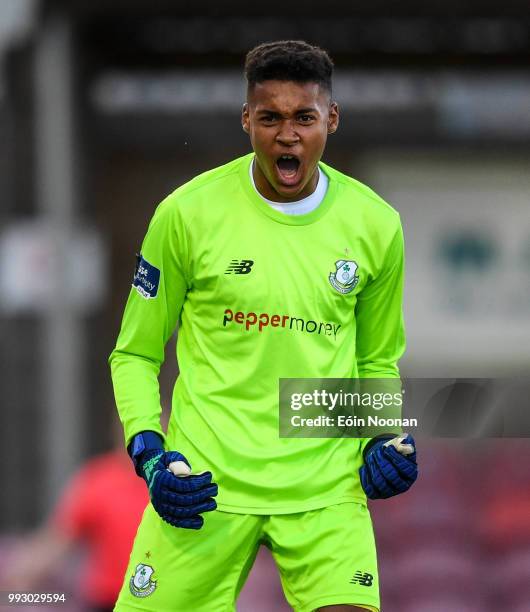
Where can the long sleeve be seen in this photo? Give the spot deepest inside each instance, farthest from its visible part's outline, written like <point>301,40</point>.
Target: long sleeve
<point>380,328</point>
<point>153,308</point>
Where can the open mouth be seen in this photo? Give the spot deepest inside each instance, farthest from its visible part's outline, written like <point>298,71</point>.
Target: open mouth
<point>288,167</point>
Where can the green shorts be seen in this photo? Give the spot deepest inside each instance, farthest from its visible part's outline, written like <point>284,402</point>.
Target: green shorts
<point>324,557</point>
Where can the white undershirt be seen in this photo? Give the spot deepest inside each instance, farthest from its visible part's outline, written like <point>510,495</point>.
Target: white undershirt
<point>300,207</point>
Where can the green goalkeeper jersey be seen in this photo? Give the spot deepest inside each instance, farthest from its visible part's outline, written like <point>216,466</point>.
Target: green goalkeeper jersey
<point>259,295</point>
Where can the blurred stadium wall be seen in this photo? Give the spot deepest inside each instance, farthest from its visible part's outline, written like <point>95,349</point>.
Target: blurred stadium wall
<point>105,107</point>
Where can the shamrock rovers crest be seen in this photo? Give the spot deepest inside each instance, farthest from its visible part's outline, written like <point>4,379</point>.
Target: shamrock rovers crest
<point>140,583</point>
<point>344,279</point>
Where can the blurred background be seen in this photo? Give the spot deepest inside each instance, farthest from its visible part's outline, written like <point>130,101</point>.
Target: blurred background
<point>106,107</point>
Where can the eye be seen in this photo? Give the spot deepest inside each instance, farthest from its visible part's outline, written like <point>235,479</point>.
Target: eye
<point>268,119</point>
<point>306,118</point>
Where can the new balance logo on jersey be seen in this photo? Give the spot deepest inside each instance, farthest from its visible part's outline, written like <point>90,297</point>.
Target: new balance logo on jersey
<point>243,266</point>
<point>362,578</point>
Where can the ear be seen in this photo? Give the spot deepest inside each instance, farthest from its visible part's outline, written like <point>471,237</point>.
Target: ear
<point>245,119</point>
<point>333,118</point>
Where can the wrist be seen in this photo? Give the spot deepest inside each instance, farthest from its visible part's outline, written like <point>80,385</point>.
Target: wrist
<point>143,446</point>
<point>377,441</point>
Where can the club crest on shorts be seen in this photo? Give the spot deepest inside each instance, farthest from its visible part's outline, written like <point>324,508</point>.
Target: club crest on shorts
<point>140,583</point>
<point>344,279</point>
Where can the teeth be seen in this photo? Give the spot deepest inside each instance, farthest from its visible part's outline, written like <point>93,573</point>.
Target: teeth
<point>287,156</point>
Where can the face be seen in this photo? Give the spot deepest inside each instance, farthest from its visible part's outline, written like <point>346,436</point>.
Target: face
<point>288,124</point>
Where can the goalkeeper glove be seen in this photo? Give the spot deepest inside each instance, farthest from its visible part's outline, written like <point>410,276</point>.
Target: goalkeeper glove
<point>390,466</point>
<point>179,500</point>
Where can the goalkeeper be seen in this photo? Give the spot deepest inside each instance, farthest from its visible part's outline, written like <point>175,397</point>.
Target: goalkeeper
<point>273,266</point>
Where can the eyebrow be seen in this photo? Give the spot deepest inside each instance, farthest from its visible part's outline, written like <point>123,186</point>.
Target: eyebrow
<point>301,111</point>
<point>309,109</point>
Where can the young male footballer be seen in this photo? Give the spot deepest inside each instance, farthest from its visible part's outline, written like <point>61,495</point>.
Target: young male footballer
<point>274,266</point>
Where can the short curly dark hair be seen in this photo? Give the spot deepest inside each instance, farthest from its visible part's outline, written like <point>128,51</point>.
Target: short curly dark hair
<point>288,60</point>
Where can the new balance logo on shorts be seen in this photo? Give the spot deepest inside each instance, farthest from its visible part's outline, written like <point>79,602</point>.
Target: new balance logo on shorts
<point>362,578</point>
<point>243,266</point>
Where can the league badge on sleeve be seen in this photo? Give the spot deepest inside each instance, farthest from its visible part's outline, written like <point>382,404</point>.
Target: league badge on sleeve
<point>345,278</point>
<point>146,278</point>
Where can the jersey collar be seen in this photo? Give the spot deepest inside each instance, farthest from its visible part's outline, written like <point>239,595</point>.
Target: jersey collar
<point>277,215</point>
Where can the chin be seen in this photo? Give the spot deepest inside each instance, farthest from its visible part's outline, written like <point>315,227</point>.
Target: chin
<point>289,194</point>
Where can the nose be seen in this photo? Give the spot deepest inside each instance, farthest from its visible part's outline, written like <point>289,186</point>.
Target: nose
<point>287,134</point>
